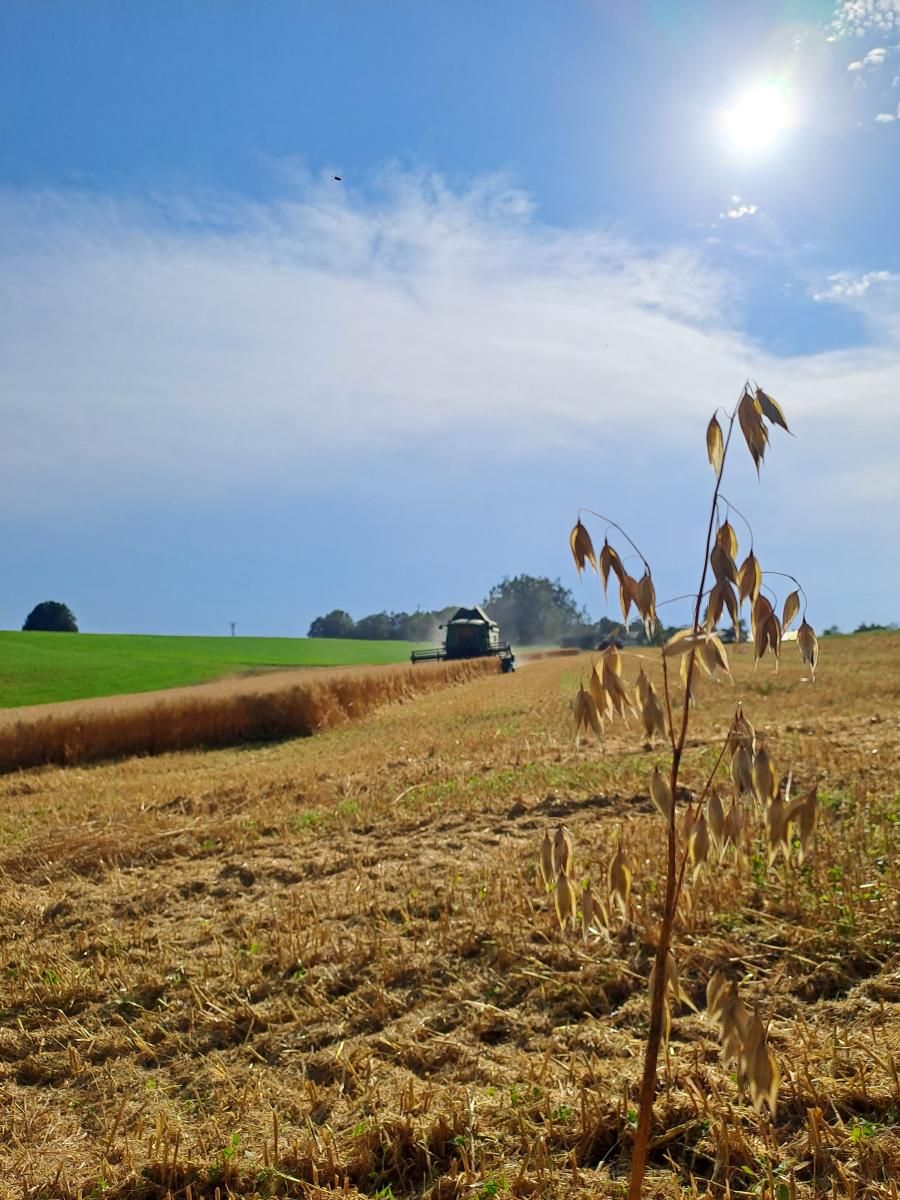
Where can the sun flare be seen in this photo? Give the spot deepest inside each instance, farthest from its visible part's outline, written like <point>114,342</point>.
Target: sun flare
<point>757,119</point>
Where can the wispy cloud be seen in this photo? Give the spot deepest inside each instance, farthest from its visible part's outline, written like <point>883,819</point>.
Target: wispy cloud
<point>185,340</point>
<point>845,286</point>
<point>180,344</point>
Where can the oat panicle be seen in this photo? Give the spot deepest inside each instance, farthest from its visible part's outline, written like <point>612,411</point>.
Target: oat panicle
<point>757,811</point>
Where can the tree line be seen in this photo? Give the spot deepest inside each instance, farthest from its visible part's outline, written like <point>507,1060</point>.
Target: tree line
<point>530,610</point>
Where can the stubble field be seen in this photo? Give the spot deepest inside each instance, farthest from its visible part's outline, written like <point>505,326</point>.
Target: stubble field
<point>328,964</point>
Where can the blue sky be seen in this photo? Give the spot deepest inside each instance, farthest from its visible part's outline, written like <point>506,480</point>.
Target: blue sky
<point>235,389</point>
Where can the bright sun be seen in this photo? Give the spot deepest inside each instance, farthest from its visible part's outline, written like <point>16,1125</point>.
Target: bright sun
<point>758,118</point>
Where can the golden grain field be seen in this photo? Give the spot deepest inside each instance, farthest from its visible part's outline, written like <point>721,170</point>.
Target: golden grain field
<point>228,712</point>
<point>328,965</point>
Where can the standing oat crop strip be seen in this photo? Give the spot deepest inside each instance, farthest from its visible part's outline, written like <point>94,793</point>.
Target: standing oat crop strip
<point>696,644</point>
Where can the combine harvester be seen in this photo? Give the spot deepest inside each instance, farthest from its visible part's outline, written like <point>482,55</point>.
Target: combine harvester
<point>470,634</point>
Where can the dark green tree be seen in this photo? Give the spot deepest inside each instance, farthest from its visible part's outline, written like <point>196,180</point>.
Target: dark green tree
<point>533,609</point>
<point>50,617</point>
<point>336,624</point>
<point>376,627</point>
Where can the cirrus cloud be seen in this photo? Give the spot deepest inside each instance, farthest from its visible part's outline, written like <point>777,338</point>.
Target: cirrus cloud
<point>183,344</point>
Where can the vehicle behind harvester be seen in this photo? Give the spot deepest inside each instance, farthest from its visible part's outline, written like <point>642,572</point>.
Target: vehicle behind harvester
<point>470,633</point>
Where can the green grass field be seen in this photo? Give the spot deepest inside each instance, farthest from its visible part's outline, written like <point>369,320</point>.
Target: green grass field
<point>39,668</point>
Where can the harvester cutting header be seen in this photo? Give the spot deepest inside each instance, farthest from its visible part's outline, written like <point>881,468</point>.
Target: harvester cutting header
<point>470,634</point>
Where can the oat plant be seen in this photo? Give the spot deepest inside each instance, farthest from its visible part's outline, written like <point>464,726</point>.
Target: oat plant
<point>709,828</point>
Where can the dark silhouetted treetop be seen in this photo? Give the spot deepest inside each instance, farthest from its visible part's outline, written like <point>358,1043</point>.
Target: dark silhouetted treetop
<point>532,610</point>
<point>50,617</point>
<point>336,624</point>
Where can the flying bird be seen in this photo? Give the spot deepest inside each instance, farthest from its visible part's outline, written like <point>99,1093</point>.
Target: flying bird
<point>337,178</point>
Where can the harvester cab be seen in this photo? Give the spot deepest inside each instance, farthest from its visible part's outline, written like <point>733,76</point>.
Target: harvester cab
<point>470,633</point>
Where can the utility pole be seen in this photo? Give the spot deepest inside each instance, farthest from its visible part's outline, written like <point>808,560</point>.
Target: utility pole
<point>232,624</point>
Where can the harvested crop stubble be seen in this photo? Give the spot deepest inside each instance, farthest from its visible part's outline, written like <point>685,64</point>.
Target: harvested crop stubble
<point>220,714</point>
<point>334,959</point>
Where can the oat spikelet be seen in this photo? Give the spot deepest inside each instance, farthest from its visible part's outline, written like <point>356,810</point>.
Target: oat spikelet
<point>689,819</point>
<point>619,882</point>
<point>588,909</point>
<point>715,816</point>
<point>716,988</point>
<point>742,772</point>
<point>765,779</point>
<point>773,636</point>
<point>628,586</point>
<point>563,851</point>
<point>791,608</point>
<point>804,813</point>
<point>547,873</point>
<point>734,609</point>
<point>757,1070</point>
<point>661,794</point>
<point>749,578</point>
<point>734,825</point>
<point>726,1010</point>
<point>741,732</point>
<point>723,565</point>
<point>582,547</point>
<point>618,697</point>
<point>642,687</point>
<point>586,715</point>
<point>601,697</point>
<point>733,1021</point>
<point>727,539</point>
<point>612,660</point>
<point>674,990</point>
<point>690,693</point>
<point>753,429</point>
<point>609,561</point>
<point>715,445</point>
<point>715,604</point>
<point>765,1079</point>
<point>681,642</point>
<point>645,600</point>
<point>760,641</point>
<point>698,846</point>
<point>808,646</point>
<point>759,613</point>
<point>713,657</point>
<point>652,715</point>
<point>721,596</point>
<point>776,819</point>
<point>767,630</point>
<point>771,409</point>
<point>565,900</point>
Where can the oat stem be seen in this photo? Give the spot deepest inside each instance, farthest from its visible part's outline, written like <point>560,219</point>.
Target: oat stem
<point>657,999</point>
<point>793,579</point>
<point>734,508</point>
<point>671,723</point>
<point>613,525</point>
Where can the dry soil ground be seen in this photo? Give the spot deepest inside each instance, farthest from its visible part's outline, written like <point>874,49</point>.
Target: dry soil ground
<point>328,964</point>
